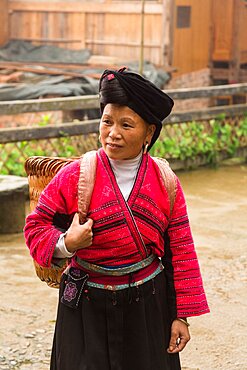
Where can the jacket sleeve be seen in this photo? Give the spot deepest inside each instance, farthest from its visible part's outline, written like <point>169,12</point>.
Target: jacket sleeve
<point>185,287</point>
<point>53,214</point>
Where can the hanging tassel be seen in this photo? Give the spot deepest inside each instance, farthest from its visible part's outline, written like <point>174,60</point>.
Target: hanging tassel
<point>86,292</point>
<point>114,298</point>
<point>131,280</point>
<point>137,294</point>
<point>153,284</point>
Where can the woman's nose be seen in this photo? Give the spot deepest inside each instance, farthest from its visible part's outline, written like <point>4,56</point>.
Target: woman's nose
<point>115,133</point>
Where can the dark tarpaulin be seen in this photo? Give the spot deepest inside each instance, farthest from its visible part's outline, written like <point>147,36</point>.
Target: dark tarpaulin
<point>52,86</point>
<point>24,51</point>
<point>34,86</point>
<point>58,86</point>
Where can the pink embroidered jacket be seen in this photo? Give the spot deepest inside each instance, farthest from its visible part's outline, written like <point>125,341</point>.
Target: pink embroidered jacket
<point>115,229</point>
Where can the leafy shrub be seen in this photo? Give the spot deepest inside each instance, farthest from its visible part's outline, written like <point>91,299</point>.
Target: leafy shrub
<point>178,141</point>
<point>193,139</point>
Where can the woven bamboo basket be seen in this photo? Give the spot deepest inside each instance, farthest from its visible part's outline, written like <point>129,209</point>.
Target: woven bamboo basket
<point>40,171</point>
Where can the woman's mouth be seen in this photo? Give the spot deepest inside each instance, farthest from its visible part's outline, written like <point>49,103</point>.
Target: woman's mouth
<point>113,146</point>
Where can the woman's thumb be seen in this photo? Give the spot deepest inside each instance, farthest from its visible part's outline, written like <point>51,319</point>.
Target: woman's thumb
<point>89,222</point>
<point>76,220</point>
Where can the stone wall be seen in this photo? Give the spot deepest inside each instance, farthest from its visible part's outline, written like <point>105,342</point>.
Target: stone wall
<point>199,78</point>
<point>29,119</point>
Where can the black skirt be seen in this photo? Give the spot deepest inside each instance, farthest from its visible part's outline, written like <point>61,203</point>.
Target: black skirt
<point>124,330</point>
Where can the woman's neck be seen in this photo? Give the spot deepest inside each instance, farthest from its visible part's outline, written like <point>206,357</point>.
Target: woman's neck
<point>125,171</point>
<point>126,162</point>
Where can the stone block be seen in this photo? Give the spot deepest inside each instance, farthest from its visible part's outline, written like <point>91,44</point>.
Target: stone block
<point>13,196</point>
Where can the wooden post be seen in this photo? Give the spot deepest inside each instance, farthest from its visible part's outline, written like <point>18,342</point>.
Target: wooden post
<point>235,53</point>
<point>4,22</point>
<point>166,30</point>
<point>172,9</point>
<point>142,38</point>
<point>211,43</point>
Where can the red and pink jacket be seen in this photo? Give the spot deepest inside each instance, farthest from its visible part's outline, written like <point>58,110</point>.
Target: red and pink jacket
<point>115,228</point>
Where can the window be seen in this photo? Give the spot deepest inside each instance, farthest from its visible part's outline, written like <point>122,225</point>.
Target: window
<point>223,101</point>
<point>239,99</point>
<point>183,16</point>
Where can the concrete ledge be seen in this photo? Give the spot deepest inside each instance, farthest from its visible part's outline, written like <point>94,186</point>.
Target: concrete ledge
<point>13,195</point>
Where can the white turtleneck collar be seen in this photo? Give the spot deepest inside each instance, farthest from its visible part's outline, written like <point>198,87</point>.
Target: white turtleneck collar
<point>125,172</point>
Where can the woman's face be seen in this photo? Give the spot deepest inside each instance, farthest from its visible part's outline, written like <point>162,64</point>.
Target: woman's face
<point>123,132</point>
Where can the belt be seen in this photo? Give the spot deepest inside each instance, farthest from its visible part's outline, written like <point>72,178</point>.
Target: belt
<point>118,271</point>
<point>137,283</point>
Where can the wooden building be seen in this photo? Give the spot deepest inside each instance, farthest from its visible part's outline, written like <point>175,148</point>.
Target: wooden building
<point>183,35</point>
<point>4,22</point>
<point>228,55</point>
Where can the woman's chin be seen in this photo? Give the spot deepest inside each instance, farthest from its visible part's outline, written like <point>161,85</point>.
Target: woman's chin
<point>114,152</point>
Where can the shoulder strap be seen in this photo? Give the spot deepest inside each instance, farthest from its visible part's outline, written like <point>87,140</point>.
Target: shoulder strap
<point>88,163</point>
<point>168,178</point>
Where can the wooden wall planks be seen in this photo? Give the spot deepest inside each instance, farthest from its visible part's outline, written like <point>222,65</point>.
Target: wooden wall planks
<point>113,29</point>
<point>109,29</point>
<point>191,44</point>
<point>4,22</point>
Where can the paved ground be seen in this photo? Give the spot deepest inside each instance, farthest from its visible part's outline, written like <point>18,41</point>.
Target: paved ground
<point>217,201</point>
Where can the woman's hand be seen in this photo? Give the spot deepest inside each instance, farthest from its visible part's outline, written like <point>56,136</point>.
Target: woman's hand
<point>78,236</point>
<point>179,337</point>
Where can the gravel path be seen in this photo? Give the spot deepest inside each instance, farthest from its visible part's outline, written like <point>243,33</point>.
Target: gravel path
<point>217,207</point>
<point>27,310</point>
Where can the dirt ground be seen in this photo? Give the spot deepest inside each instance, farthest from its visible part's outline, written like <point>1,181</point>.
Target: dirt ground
<point>217,205</point>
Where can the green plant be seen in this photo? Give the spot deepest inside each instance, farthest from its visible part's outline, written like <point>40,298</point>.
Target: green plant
<point>45,120</point>
<point>179,141</point>
<point>193,139</point>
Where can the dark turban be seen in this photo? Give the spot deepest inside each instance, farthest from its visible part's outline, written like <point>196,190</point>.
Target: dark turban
<point>142,96</point>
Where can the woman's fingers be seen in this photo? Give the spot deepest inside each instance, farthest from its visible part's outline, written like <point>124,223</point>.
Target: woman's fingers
<point>182,343</point>
<point>173,342</point>
<point>79,236</point>
<point>177,345</point>
<point>179,337</point>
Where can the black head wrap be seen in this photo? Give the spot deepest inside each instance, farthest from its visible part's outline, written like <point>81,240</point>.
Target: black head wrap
<point>142,96</point>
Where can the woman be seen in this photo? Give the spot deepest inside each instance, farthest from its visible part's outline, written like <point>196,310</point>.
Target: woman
<point>134,277</point>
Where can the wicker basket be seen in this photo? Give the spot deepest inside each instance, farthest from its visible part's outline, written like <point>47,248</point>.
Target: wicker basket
<point>40,171</point>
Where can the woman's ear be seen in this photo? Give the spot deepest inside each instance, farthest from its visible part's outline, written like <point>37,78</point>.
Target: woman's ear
<point>150,132</point>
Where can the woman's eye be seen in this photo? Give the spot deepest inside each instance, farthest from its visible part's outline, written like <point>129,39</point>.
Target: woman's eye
<point>106,121</point>
<point>127,125</point>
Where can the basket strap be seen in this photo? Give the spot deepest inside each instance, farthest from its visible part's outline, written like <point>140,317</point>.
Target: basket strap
<point>88,163</point>
<point>168,178</point>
